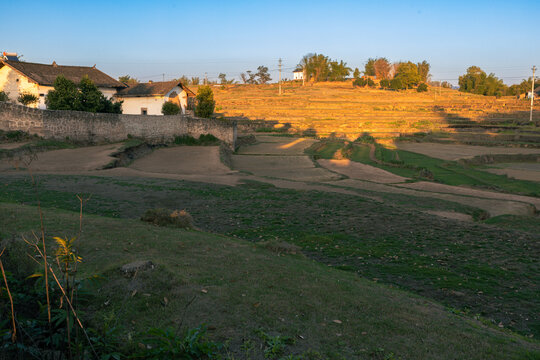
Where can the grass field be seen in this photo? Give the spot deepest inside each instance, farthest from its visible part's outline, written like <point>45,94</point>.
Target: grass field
<point>409,164</point>
<point>240,290</point>
<point>477,269</point>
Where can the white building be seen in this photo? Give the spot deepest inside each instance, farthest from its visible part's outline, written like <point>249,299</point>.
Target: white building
<point>18,77</point>
<point>298,74</point>
<point>148,98</point>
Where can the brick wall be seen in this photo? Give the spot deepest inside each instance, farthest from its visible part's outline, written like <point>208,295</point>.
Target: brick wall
<point>90,127</point>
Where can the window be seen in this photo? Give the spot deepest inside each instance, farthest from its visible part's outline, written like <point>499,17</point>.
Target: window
<point>144,111</point>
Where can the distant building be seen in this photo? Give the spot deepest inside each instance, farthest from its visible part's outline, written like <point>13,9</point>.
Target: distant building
<point>298,74</point>
<point>24,77</point>
<point>148,98</point>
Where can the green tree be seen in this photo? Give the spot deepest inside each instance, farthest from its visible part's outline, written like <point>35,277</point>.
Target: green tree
<point>27,98</point>
<point>195,80</point>
<point>170,108</point>
<point>128,80</point>
<point>476,81</point>
<point>64,96</point>
<point>4,96</point>
<point>369,68</point>
<point>338,71</point>
<point>205,102</point>
<point>263,75</point>
<point>407,73</point>
<point>423,71</point>
<point>356,73</point>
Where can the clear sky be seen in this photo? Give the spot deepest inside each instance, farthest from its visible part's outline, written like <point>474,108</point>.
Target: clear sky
<point>148,38</point>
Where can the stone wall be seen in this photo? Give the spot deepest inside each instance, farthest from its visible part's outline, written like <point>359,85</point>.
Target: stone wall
<point>90,127</point>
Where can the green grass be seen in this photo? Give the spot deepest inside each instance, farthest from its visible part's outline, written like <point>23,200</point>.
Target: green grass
<point>407,164</point>
<point>249,291</point>
<point>391,241</point>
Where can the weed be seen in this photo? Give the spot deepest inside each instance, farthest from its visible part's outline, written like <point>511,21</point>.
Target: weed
<point>274,345</point>
<point>165,344</point>
<point>163,217</point>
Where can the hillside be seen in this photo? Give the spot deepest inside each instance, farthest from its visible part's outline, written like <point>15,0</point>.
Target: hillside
<point>341,109</point>
<point>240,289</point>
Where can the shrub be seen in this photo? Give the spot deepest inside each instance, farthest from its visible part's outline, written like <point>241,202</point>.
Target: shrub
<point>170,108</point>
<point>396,84</point>
<point>385,83</point>
<point>4,96</point>
<point>422,87</point>
<point>205,102</point>
<point>364,82</point>
<point>27,98</point>
<point>204,139</point>
<point>163,217</point>
<point>365,139</point>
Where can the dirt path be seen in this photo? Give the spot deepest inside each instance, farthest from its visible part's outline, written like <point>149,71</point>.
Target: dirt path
<point>456,152</point>
<point>359,171</point>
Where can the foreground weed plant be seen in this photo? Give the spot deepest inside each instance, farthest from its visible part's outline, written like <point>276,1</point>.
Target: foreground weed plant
<point>166,344</point>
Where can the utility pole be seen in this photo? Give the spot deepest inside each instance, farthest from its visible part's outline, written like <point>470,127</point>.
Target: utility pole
<point>163,77</point>
<point>279,76</point>
<point>205,78</point>
<point>440,86</point>
<point>532,94</point>
<point>304,74</point>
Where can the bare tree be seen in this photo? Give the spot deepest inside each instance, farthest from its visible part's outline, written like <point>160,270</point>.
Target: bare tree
<point>382,68</point>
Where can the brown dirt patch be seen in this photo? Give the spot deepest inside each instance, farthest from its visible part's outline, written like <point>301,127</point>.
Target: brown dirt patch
<point>359,171</point>
<point>521,171</point>
<point>183,160</point>
<point>68,160</point>
<point>277,146</point>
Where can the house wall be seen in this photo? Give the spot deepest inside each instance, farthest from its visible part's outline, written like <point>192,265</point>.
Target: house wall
<point>298,76</point>
<point>133,105</point>
<point>90,127</point>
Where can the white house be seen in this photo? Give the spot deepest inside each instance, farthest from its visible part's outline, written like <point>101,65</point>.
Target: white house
<point>24,77</point>
<point>298,74</point>
<point>148,98</point>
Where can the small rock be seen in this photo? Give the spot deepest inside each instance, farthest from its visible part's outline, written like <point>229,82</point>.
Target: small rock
<point>136,266</point>
<point>337,321</point>
<point>204,291</point>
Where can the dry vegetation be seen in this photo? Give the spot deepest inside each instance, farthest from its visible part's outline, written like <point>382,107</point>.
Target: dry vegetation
<point>339,108</point>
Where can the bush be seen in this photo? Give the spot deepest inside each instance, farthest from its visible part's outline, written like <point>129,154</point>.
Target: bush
<point>4,96</point>
<point>170,108</point>
<point>163,217</point>
<point>359,82</point>
<point>365,139</point>
<point>27,99</point>
<point>422,87</point>
<point>385,83</point>
<point>205,102</point>
<point>204,139</point>
<point>396,84</point>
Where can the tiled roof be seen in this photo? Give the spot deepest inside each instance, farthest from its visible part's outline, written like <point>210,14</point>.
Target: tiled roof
<point>158,88</point>
<point>44,74</point>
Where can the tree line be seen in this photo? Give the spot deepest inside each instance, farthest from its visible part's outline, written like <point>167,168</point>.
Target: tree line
<point>476,81</point>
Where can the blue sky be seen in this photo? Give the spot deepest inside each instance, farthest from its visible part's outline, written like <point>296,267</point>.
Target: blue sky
<point>146,38</point>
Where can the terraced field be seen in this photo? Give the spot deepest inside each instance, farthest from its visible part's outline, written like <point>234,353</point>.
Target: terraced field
<point>340,109</point>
